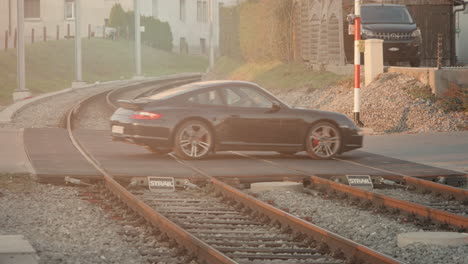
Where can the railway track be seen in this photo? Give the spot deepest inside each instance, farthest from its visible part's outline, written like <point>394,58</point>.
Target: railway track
<point>226,235</point>
<point>449,205</point>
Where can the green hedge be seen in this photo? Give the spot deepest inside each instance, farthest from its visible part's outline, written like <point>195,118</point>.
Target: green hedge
<point>157,34</point>
<point>229,32</point>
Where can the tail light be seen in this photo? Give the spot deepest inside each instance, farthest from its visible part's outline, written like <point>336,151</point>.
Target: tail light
<point>145,115</point>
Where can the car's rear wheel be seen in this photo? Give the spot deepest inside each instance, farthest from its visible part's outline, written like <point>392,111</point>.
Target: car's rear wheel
<point>158,151</point>
<point>193,140</point>
<point>323,141</point>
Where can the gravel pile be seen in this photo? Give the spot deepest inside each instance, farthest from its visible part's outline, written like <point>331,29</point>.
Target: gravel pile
<point>386,106</point>
<point>61,227</point>
<point>373,230</point>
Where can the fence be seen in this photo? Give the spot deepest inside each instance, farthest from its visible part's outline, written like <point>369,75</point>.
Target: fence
<point>44,34</point>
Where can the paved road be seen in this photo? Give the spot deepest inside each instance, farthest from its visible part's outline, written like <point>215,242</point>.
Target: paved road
<point>444,150</point>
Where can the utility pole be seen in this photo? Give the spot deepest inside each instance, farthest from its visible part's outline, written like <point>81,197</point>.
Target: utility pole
<point>138,74</point>
<point>20,92</point>
<point>357,63</point>
<point>212,7</point>
<point>78,58</point>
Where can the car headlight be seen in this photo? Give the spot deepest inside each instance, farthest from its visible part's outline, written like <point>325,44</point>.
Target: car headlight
<point>367,33</point>
<point>416,33</point>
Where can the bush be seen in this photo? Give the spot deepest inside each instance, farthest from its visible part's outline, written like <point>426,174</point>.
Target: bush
<point>265,30</point>
<point>157,34</point>
<point>229,32</point>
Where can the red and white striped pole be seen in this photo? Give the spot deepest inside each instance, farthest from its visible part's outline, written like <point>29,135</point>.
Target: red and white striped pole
<point>357,62</point>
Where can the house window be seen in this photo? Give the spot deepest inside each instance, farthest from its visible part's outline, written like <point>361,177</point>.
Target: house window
<point>202,12</point>
<point>69,9</point>
<point>155,8</point>
<point>32,8</point>
<point>182,10</point>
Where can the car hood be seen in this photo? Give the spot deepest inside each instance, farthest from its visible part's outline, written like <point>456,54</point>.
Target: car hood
<point>389,28</point>
<point>341,119</point>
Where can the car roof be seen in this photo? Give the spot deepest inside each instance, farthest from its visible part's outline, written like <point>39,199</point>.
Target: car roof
<point>375,4</point>
<point>207,84</point>
<point>191,87</point>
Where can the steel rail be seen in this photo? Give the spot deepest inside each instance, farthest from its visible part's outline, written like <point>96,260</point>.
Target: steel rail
<point>191,243</point>
<point>446,190</point>
<point>454,220</point>
<point>340,246</point>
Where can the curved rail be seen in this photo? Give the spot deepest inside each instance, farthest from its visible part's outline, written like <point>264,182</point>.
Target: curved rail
<point>339,246</point>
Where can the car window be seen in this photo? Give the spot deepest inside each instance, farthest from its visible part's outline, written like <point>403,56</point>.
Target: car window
<point>206,98</point>
<point>246,97</point>
<point>385,15</point>
<point>171,92</point>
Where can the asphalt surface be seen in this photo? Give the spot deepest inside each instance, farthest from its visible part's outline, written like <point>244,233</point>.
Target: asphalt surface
<point>447,150</point>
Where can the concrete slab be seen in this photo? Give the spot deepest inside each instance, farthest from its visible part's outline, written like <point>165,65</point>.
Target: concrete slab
<point>275,186</point>
<point>13,158</point>
<point>433,238</point>
<point>16,249</point>
<point>53,157</point>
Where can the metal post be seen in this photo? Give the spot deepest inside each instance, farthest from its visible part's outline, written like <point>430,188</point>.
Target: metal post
<point>6,40</point>
<point>357,63</point>
<point>21,91</point>
<point>137,39</point>
<point>211,59</point>
<point>15,40</point>
<point>45,33</point>
<point>78,67</point>
<point>58,32</point>
<point>89,31</point>
<point>32,35</point>
<point>439,51</point>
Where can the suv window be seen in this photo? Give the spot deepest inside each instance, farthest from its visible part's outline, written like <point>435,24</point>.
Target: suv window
<point>246,97</point>
<point>206,98</point>
<point>385,15</point>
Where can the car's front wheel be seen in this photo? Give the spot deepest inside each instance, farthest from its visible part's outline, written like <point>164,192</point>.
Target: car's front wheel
<point>193,140</point>
<point>323,141</point>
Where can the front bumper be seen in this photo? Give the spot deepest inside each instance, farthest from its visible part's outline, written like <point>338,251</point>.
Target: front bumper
<point>401,51</point>
<point>352,139</point>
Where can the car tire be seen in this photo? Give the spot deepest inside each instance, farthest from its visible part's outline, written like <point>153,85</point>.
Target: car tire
<point>323,141</point>
<point>193,140</point>
<point>158,151</point>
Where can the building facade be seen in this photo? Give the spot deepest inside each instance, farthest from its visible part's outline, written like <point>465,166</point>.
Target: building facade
<point>462,37</point>
<point>189,21</point>
<point>56,16</point>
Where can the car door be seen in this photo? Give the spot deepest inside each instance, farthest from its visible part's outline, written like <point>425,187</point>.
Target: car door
<point>250,120</point>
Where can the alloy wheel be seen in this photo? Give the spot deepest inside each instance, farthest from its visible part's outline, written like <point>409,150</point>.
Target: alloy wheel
<point>193,140</point>
<point>323,141</point>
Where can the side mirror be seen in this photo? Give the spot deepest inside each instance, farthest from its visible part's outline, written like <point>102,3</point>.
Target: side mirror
<point>350,18</point>
<point>275,107</point>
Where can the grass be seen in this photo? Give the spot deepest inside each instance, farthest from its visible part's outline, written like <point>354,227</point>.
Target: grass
<point>275,75</point>
<point>50,65</point>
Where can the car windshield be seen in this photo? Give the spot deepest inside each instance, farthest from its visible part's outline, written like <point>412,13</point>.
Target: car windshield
<point>170,92</point>
<point>385,15</point>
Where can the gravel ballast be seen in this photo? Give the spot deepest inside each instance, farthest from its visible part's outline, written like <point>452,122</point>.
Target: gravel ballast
<point>376,231</point>
<point>61,227</point>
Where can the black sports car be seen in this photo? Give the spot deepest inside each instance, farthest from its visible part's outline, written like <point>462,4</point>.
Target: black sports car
<point>195,119</point>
